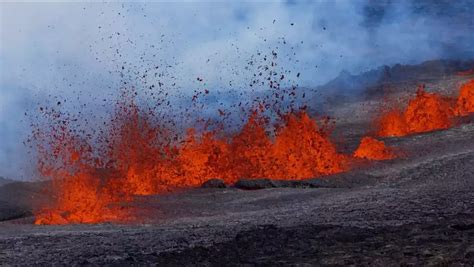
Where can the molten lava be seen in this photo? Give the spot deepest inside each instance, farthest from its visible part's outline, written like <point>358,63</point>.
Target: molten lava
<point>428,112</point>
<point>92,182</point>
<point>392,123</point>
<point>81,199</point>
<point>93,179</point>
<point>425,112</point>
<point>465,101</point>
<point>373,149</point>
<point>82,193</point>
<point>303,150</point>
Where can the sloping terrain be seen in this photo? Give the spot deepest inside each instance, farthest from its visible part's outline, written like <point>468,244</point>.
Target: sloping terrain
<point>18,199</point>
<point>418,209</point>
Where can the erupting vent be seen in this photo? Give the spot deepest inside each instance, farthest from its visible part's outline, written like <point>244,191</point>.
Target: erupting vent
<point>139,159</point>
<point>465,102</point>
<point>373,149</point>
<point>134,156</point>
<point>426,112</point>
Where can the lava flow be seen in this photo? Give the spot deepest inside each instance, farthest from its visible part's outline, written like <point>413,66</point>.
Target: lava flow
<point>465,101</point>
<point>134,157</point>
<point>373,149</point>
<point>425,112</point>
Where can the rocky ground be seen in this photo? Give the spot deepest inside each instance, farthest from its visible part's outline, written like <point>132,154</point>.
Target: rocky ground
<point>416,210</point>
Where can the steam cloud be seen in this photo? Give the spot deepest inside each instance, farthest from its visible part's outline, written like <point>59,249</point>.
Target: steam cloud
<point>76,50</point>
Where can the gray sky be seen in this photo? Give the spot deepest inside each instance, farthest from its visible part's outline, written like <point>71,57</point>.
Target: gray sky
<point>77,50</point>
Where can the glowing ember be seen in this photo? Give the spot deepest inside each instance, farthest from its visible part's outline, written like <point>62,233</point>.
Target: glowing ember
<point>425,112</point>
<point>373,149</point>
<point>465,101</point>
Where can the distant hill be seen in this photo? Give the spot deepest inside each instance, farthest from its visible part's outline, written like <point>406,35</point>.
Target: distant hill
<point>4,181</point>
<point>425,71</point>
<point>351,87</point>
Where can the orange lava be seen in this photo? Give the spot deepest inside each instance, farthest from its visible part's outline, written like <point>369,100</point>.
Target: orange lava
<point>392,123</point>
<point>425,112</point>
<point>465,101</point>
<point>82,193</point>
<point>92,181</point>
<point>373,149</point>
<point>81,199</point>
<point>303,150</point>
<point>92,185</point>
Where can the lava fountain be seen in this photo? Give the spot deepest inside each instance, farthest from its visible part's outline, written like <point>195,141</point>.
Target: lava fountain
<point>373,149</point>
<point>424,113</point>
<point>92,180</point>
<point>465,101</point>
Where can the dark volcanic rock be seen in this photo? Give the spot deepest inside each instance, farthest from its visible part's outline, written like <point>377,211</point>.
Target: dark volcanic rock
<point>311,183</point>
<point>10,211</point>
<point>335,245</point>
<point>19,199</point>
<point>254,184</point>
<point>214,183</point>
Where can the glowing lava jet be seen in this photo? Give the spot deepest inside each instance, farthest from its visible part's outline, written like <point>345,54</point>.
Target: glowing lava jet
<point>425,112</point>
<point>465,101</point>
<point>373,149</point>
<point>91,182</point>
